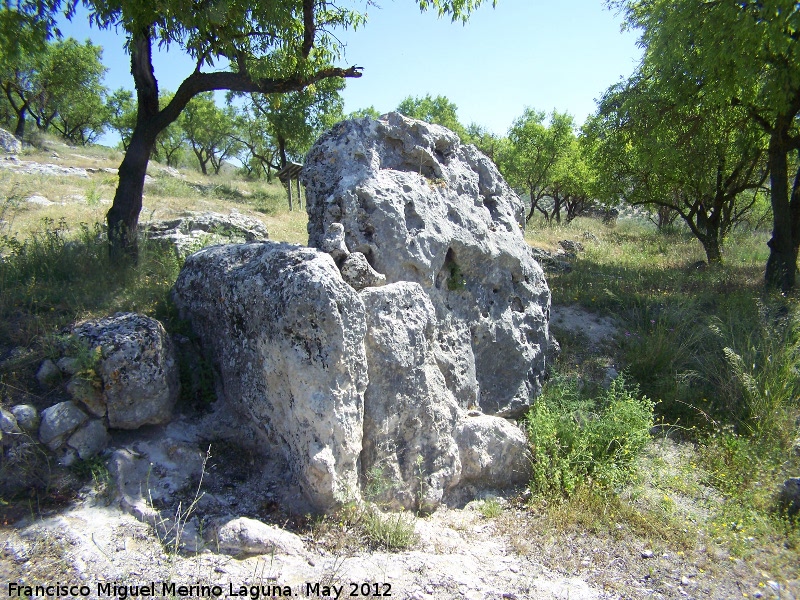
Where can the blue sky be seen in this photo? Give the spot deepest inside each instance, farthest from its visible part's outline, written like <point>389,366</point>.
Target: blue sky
<point>538,53</point>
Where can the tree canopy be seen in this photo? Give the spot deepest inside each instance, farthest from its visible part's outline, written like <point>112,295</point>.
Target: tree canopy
<point>246,46</point>
<point>744,54</point>
<point>534,148</point>
<point>439,110</point>
<point>58,84</point>
<point>694,159</point>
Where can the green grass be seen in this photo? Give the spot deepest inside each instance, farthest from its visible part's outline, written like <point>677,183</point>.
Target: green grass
<point>721,359</point>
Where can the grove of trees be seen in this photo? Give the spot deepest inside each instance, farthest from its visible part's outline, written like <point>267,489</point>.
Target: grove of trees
<point>254,47</point>
<point>734,62</point>
<point>705,129</point>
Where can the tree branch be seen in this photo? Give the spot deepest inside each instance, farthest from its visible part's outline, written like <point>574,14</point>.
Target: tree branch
<point>197,83</point>
<point>309,28</point>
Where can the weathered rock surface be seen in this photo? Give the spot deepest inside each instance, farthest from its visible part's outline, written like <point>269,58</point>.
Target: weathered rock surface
<point>422,207</point>
<point>195,230</point>
<point>410,458</point>
<point>286,335</point>
<point>9,143</point>
<point>137,370</point>
<point>249,536</point>
<point>27,417</point>
<point>48,373</point>
<point>59,422</point>
<point>357,272</point>
<point>9,428</point>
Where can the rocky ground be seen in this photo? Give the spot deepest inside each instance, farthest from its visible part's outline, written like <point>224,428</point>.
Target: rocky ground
<point>111,534</point>
<point>178,507</point>
<point>182,505</point>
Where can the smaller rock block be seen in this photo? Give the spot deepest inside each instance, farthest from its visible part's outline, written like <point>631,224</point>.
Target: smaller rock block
<point>138,369</point>
<point>249,536</point>
<point>89,440</point>
<point>409,414</point>
<point>8,427</point>
<point>357,272</point>
<point>58,423</point>
<point>27,417</point>
<point>9,143</point>
<point>333,243</point>
<point>494,453</point>
<point>195,230</point>
<point>48,373</point>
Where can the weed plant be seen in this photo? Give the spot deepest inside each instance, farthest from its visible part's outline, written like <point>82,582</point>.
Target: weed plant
<point>577,440</point>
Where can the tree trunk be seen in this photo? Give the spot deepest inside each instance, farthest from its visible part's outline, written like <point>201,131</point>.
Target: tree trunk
<point>783,247</point>
<point>123,217</point>
<point>282,150</point>
<point>712,248</point>
<point>19,130</point>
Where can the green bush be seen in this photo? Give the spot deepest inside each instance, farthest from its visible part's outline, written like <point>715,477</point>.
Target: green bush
<point>579,441</point>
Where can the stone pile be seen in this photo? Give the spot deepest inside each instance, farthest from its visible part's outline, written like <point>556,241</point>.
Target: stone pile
<point>384,361</point>
<point>120,373</point>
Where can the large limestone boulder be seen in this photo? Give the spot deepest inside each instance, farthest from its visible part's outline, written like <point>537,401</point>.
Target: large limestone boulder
<point>421,207</point>
<point>286,335</point>
<point>386,361</point>
<point>410,458</point>
<point>137,371</point>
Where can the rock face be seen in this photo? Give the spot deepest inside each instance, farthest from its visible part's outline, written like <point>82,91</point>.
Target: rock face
<point>8,143</point>
<point>410,458</point>
<point>421,207</point>
<point>286,334</point>
<point>68,430</point>
<point>249,536</point>
<point>137,371</point>
<point>195,230</point>
<point>384,362</point>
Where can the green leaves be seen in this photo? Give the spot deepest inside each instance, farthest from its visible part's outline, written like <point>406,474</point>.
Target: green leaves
<point>438,110</point>
<point>57,83</point>
<point>676,134</point>
<point>578,441</point>
<point>530,160</point>
<point>210,131</point>
<point>457,10</point>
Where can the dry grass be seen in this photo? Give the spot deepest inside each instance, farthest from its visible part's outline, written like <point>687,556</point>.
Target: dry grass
<point>87,199</point>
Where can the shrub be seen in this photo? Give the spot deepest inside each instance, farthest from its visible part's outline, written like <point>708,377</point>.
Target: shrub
<point>578,441</point>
